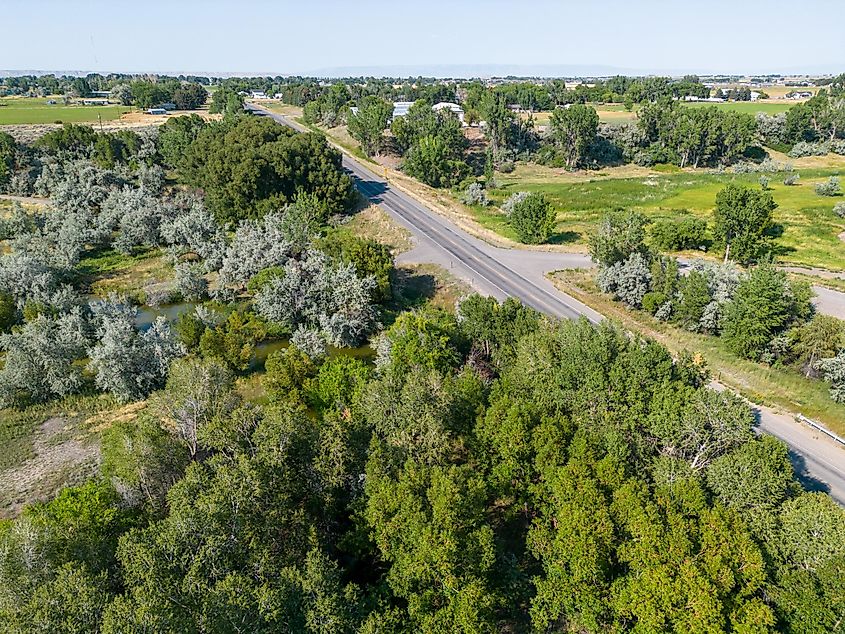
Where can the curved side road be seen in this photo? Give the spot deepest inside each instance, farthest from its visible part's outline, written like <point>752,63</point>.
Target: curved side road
<point>818,461</point>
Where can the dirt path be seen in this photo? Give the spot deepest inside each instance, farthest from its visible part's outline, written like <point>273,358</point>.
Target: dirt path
<point>25,200</point>
<point>60,460</point>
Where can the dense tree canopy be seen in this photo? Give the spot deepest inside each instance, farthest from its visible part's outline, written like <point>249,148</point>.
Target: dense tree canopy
<point>252,165</point>
<point>493,472</point>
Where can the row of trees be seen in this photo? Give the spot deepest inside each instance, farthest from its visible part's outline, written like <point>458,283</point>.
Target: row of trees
<point>817,120</point>
<point>82,86</point>
<point>492,472</point>
<point>759,314</point>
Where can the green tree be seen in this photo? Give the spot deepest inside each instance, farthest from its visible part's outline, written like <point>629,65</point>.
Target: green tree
<point>368,124</point>
<point>742,217</point>
<point>573,129</point>
<point>620,234</point>
<point>428,524</point>
<point>8,150</point>
<point>695,295</point>
<point>251,165</point>
<point>233,341</point>
<point>176,135</point>
<point>820,338</point>
<point>432,161</point>
<point>144,458</point>
<point>189,96</point>
<point>533,219</point>
<point>764,305</point>
<point>146,94</point>
<point>370,258</point>
<point>227,102</point>
<point>756,476</point>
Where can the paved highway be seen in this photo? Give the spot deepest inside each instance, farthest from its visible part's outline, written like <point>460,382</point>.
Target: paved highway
<point>490,269</point>
<point>819,462</point>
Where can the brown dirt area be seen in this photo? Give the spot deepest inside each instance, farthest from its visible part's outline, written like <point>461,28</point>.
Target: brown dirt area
<point>67,452</point>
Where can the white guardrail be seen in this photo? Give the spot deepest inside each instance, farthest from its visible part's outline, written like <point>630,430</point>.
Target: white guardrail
<point>808,421</point>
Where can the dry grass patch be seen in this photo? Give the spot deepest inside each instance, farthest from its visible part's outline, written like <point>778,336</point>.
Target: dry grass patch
<point>430,284</point>
<point>374,223</point>
<point>48,447</point>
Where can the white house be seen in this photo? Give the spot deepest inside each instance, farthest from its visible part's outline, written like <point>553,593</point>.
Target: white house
<point>453,107</point>
<point>400,108</point>
<point>258,94</point>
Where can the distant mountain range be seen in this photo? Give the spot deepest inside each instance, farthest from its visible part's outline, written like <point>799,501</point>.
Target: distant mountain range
<point>466,71</point>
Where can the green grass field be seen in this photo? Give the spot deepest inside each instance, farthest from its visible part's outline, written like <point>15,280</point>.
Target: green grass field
<point>810,228</point>
<point>751,107</point>
<point>24,110</point>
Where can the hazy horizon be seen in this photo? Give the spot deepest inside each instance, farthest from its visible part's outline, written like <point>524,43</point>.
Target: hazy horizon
<point>370,37</point>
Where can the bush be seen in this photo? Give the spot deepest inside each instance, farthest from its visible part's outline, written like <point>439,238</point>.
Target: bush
<point>512,201</point>
<point>829,188</point>
<point>475,194</point>
<point>839,209</point>
<point>837,146</point>
<point>802,148</point>
<point>653,301</point>
<point>791,179</point>
<point>764,182</point>
<point>619,234</point>
<point>676,234</point>
<point>533,219</point>
<point>628,281</point>
<point>506,167</point>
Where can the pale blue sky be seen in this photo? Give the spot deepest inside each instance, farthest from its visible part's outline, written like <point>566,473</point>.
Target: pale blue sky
<point>731,36</point>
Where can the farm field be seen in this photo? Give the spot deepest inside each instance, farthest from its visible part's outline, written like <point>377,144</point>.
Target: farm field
<point>810,234</point>
<point>751,107</point>
<point>616,113</point>
<point>26,110</point>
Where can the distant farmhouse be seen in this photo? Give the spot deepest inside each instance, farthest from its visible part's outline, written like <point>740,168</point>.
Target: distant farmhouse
<point>400,109</point>
<point>453,107</point>
<point>799,94</point>
<point>258,94</point>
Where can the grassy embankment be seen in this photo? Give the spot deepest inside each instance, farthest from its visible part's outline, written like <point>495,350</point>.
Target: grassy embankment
<point>810,235</point>
<point>781,388</point>
<point>29,110</point>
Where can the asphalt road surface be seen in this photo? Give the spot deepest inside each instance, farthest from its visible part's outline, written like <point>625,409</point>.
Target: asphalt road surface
<point>818,461</point>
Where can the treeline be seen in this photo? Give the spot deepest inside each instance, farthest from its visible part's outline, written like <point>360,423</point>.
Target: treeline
<point>82,86</point>
<point>758,313</point>
<point>492,471</point>
<point>815,126</point>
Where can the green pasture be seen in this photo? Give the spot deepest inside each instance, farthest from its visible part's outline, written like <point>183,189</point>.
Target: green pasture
<point>26,110</point>
<point>810,228</point>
